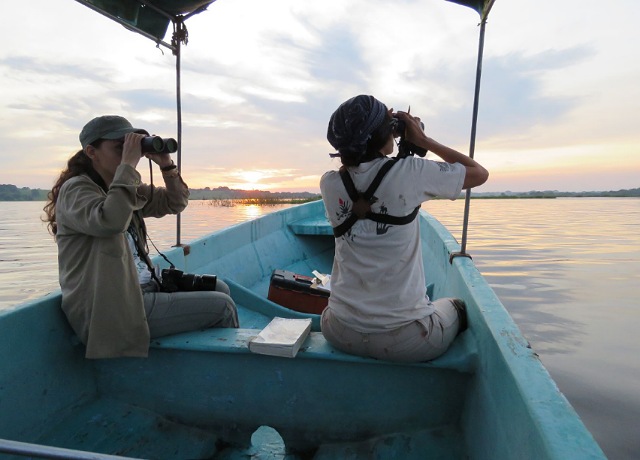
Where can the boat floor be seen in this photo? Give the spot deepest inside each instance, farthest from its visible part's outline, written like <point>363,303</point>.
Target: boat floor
<point>116,428</point>
<point>105,426</point>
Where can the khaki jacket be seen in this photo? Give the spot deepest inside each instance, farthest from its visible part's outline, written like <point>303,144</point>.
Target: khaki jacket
<point>101,295</point>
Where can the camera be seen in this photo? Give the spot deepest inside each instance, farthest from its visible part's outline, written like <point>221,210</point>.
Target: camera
<point>399,126</point>
<point>156,144</point>
<point>406,148</point>
<point>173,280</point>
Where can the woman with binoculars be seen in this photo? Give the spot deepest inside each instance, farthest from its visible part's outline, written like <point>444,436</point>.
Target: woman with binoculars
<point>96,209</point>
<point>378,305</point>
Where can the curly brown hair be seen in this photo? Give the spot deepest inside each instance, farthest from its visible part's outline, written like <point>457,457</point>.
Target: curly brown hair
<point>78,164</point>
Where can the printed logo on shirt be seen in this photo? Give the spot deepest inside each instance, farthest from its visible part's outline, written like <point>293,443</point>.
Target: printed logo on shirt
<point>444,166</point>
<point>381,228</point>
<point>343,209</point>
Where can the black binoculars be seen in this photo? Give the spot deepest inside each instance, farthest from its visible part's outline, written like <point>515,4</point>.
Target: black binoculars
<point>399,126</point>
<point>173,280</point>
<point>406,148</point>
<point>156,144</point>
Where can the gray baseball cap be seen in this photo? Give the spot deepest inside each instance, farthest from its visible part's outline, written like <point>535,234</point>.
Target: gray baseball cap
<point>107,127</point>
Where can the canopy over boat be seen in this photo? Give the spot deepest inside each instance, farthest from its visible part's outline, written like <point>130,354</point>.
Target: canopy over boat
<point>481,6</point>
<point>152,18</point>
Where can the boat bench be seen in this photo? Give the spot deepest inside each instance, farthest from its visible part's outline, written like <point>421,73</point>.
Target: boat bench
<point>312,226</point>
<point>461,356</point>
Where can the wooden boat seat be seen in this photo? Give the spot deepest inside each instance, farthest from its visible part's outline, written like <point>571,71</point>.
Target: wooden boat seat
<point>460,357</point>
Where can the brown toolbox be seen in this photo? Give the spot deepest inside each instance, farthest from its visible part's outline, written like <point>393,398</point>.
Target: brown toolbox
<point>295,292</point>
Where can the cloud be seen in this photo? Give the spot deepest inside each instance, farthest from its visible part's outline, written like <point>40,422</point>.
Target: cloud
<point>37,68</point>
<point>148,99</point>
<point>337,60</point>
<point>514,95</point>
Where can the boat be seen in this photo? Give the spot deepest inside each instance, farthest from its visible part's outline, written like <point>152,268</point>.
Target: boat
<point>204,394</point>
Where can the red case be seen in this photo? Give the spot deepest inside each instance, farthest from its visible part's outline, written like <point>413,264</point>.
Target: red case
<point>294,291</point>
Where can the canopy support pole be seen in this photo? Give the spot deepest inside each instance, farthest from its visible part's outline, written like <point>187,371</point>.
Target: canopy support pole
<point>179,26</point>
<point>472,144</point>
<point>180,36</point>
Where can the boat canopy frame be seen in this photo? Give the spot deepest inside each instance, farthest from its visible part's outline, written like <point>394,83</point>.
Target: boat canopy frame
<point>151,19</point>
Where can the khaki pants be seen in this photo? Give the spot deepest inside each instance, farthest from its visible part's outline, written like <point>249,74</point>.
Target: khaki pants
<point>175,312</point>
<point>421,340</point>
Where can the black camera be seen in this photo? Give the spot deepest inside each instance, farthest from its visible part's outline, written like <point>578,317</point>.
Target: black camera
<point>156,144</point>
<point>406,148</point>
<point>174,280</point>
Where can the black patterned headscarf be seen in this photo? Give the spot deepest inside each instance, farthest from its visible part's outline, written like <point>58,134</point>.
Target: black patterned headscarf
<point>351,125</point>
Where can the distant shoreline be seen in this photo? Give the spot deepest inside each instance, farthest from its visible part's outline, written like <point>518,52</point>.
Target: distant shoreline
<point>268,201</point>
<point>10,192</point>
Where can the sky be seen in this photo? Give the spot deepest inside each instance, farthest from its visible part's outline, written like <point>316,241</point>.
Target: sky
<point>558,110</point>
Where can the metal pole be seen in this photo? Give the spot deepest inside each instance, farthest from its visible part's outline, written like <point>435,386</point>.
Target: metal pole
<point>40,451</point>
<point>472,146</point>
<point>179,25</point>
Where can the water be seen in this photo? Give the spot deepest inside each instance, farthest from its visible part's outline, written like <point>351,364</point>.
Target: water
<point>568,271</point>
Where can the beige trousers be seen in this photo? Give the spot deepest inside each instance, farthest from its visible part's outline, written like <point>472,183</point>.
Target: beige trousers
<point>421,340</point>
<point>172,313</point>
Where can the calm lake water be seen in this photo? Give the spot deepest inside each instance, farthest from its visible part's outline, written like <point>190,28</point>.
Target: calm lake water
<point>568,271</point>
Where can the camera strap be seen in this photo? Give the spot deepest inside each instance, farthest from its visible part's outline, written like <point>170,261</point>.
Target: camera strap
<point>151,182</point>
<point>142,251</point>
<point>362,202</point>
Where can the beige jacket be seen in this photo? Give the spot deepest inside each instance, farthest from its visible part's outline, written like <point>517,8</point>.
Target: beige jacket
<point>101,294</point>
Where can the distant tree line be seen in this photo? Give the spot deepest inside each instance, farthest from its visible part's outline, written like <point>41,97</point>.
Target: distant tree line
<point>10,192</point>
<point>634,192</point>
<point>617,193</point>
<point>226,193</point>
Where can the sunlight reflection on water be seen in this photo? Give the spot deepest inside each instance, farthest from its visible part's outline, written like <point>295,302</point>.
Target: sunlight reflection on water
<point>567,270</point>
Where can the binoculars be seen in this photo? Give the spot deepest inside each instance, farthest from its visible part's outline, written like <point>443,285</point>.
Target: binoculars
<point>406,148</point>
<point>174,280</point>
<point>156,144</point>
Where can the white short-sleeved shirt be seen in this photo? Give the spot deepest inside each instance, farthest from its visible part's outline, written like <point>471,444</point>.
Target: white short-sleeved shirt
<point>377,280</point>
<point>144,274</point>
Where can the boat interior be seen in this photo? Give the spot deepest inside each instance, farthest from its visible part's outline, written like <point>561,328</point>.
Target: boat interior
<point>204,395</point>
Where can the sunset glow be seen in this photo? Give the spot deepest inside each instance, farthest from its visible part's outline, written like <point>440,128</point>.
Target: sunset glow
<point>251,180</point>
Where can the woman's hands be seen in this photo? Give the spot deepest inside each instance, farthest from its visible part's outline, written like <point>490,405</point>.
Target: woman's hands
<point>413,130</point>
<point>132,149</point>
<point>161,159</point>
<point>475,175</point>
<point>132,152</point>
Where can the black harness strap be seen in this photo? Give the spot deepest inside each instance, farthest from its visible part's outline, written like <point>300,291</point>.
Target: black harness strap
<point>362,202</point>
<point>394,220</point>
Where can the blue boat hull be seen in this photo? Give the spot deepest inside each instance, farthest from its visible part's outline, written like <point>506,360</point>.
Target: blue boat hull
<point>204,395</point>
